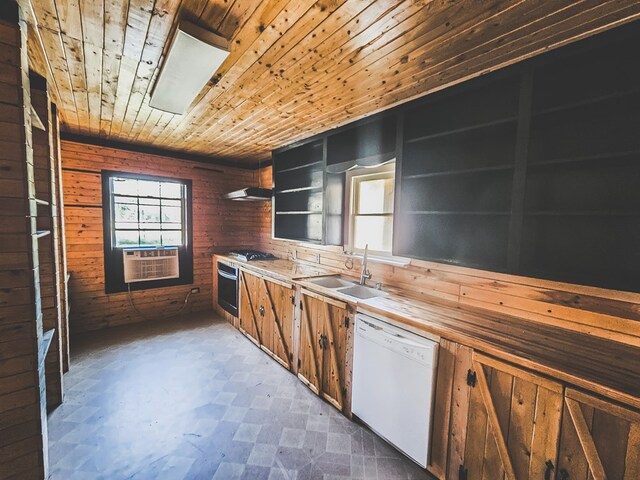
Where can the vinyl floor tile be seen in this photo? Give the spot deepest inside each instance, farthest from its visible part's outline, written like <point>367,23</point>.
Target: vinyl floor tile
<point>193,399</point>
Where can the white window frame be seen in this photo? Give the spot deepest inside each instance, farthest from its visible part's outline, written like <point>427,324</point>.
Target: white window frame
<point>387,170</point>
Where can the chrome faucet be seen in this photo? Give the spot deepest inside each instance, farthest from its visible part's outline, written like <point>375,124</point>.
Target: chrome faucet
<point>365,274</point>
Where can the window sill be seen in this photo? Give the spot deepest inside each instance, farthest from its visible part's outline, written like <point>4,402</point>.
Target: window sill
<point>390,260</point>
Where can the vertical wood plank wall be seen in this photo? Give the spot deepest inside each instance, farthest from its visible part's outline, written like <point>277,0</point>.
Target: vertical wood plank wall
<point>218,225</point>
<point>23,428</point>
<point>595,311</point>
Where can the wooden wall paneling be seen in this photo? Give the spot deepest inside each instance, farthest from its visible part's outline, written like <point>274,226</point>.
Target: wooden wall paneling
<point>218,226</point>
<point>294,63</point>
<point>46,190</point>
<point>23,426</point>
<point>595,311</point>
<point>492,60</point>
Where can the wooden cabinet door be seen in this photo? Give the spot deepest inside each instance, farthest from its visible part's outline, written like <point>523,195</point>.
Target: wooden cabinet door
<point>325,348</point>
<point>335,320</point>
<point>599,440</point>
<point>310,351</point>
<point>504,422</point>
<point>250,301</point>
<point>277,337</point>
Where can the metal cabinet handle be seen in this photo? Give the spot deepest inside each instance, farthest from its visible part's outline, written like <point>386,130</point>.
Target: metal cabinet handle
<point>261,310</point>
<point>548,470</point>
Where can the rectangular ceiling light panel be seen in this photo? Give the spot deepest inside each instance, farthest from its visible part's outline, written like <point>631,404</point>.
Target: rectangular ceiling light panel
<point>194,57</point>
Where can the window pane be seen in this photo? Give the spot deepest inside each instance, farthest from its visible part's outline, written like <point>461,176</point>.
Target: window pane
<point>147,188</point>
<point>148,201</point>
<point>150,237</point>
<point>125,186</point>
<point>375,231</point>
<point>172,214</point>
<point>127,225</point>
<point>150,226</point>
<point>375,196</point>
<point>171,203</point>
<point>118,199</point>
<point>171,190</point>
<point>171,226</point>
<point>172,238</point>
<point>149,214</point>
<point>126,238</point>
<point>126,212</point>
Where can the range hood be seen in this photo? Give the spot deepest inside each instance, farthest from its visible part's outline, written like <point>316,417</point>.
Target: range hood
<point>251,194</point>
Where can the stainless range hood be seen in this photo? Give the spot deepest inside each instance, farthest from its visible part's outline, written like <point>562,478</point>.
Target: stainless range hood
<point>251,194</point>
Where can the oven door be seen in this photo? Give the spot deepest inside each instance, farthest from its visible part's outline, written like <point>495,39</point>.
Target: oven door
<point>228,288</point>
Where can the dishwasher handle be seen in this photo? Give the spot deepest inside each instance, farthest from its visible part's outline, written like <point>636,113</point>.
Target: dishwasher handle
<point>397,337</point>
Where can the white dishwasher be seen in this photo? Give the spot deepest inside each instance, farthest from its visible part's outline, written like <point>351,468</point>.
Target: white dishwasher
<point>393,384</point>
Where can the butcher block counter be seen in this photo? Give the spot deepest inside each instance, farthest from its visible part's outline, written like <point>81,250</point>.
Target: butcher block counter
<point>597,364</point>
<point>279,269</point>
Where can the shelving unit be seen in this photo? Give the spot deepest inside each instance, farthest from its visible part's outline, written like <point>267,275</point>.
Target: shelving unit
<point>456,175</point>
<point>299,193</point>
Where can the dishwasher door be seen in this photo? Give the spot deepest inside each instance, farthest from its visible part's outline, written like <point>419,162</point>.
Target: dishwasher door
<point>393,384</point>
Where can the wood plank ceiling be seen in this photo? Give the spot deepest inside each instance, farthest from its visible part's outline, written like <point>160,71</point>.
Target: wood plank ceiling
<point>297,67</point>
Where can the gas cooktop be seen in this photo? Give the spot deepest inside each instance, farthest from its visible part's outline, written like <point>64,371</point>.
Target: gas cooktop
<point>251,255</point>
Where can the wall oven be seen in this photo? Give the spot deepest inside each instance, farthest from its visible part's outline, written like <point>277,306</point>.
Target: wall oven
<point>228,288</point>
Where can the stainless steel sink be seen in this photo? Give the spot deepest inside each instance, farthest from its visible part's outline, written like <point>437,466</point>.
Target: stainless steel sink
<point>330,282</point>
<point>361,292</point>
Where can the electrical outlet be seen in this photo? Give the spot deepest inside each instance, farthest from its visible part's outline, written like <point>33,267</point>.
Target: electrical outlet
<point>294,254</point>
<point>195,290</point>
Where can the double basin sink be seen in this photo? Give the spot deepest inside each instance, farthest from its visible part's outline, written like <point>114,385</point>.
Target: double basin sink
<point>347,287</point>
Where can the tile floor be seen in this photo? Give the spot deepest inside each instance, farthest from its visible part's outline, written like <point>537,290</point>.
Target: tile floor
<point>194,399</point>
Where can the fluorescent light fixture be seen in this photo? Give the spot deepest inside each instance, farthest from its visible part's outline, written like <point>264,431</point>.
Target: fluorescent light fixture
<point>194,57</point>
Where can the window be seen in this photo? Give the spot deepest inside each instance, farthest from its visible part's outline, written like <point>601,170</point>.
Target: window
<point>145,211</point>
<point>370,220</point>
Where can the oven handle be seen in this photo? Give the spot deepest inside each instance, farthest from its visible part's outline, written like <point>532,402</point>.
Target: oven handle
<point>227,275</point>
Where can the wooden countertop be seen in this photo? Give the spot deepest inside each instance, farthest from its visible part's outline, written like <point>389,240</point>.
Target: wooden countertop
<point>280,269</point>
<point>602,366</point>
<point>596,364</point>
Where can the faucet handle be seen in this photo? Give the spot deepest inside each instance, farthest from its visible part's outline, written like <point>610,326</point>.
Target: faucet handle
<point>378,285</point>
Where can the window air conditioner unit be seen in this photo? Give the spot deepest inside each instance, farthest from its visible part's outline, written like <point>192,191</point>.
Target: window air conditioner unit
<point>155,263</point>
